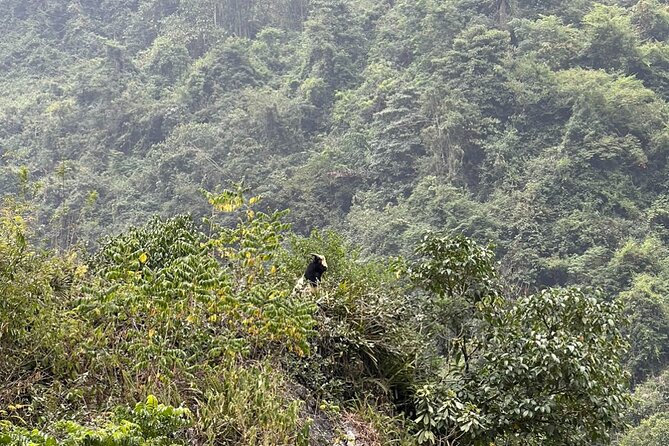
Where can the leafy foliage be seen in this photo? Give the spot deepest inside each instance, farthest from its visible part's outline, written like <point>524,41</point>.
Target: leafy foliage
<point>519,368</point>
<point>202,317</point>
<point>650,398</point>
<point>539,126</point>
<point>364,341</point>
<point>150,423</point>
<point>652,432</point>
<point>546,350</point>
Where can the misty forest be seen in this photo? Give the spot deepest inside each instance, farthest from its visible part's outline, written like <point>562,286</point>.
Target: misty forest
<point>487,182</point>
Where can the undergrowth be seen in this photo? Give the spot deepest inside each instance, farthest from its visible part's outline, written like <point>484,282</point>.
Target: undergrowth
<point>202,326</point>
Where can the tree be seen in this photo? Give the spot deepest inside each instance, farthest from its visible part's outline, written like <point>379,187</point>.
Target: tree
<point>651,432</point>
<point>458,275</point>
<point>167,60</point>
<point>477,67</point>
<point>225,68</point>
<point>548,40</point>
<point>652,19</point>
<point>333,56</point>
<point>647,313</point>
<point>611,41</point>
<point>396,146</point>
<point>544,368</point>
<point>650,398</point>
<point>552,368</point>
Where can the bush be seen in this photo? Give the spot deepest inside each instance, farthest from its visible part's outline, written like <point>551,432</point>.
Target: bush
<point>364,340</point>
<point>149,424</point>
<point>653,431</point>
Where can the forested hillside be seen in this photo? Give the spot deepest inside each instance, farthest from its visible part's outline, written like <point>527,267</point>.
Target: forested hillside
<point>538,126</point>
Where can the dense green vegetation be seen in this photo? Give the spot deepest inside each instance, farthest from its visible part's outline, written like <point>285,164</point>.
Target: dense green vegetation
<point>538,126</point>
<point>208,322</point>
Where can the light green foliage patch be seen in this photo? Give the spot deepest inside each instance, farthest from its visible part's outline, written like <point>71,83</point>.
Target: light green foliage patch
<point>653,431</point>
<point>148,424</point>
